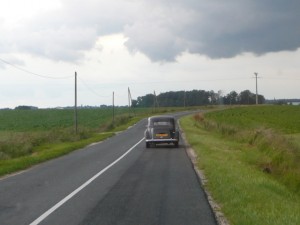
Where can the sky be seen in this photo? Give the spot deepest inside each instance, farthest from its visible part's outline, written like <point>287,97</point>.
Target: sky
<point>147,46</point>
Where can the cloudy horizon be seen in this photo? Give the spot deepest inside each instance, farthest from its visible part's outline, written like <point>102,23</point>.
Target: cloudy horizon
<point>157,45</point>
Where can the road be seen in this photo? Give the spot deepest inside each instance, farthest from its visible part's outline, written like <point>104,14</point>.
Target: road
<point>117,181</point>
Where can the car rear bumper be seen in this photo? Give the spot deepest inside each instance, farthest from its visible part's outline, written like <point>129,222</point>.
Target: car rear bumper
<point>163,140</point>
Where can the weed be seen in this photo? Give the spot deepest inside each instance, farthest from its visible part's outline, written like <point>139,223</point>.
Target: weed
<point>198,117</point>
<point>247,194</point>
<point>281,154</point>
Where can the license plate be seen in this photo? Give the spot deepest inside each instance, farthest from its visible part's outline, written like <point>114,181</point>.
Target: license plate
<point>161,135</point>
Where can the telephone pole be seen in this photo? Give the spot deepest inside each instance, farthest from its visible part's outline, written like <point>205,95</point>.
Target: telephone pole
<point>75,107</point>
<point>129,98</point>
<point>131,108</point>
<point>129,101</point>
<point>256,88</point>
<point>154,101</point>
<point>113,108</point>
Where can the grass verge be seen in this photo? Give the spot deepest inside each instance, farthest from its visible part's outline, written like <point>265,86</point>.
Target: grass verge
<point>246,194</point>
<point>46,152</point>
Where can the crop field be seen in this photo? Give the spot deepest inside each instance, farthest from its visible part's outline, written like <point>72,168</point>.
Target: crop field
<point>28,137</point>
<point>23,130</point>
<point>285,119</point>
<point>46,119</point>
<point>250,156</point>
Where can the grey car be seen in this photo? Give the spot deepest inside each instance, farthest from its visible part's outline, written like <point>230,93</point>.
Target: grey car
<point>161,129</point>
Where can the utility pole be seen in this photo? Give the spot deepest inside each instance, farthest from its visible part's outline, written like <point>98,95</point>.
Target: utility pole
<point>129,101</point>
<point>154,100</point>
<point>184,99</point>
<point>131,109</point>
<point>113,107</point>
<point>128,97</point>
<point>256,88</point>
<point>75,108</point>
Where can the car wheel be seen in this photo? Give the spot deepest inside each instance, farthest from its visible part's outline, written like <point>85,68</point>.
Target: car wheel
<point>176,144</point>
<point>147,145</point>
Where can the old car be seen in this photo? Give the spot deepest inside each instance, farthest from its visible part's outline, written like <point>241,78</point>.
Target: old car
<point>161,129</point>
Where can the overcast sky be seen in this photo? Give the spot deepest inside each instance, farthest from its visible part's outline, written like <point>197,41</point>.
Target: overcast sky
<point>146,45</point>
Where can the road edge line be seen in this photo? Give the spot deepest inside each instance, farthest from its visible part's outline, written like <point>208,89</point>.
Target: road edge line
<point>72,194</point>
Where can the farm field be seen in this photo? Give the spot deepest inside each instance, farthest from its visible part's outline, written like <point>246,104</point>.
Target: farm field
<point>250,156</point>
<point>28,137</point>
<point>284,119</point>
<point>45,119</point>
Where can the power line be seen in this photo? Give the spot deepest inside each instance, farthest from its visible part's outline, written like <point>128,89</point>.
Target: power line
<point>32,73</point>
<point>173,81</point>
<point>92,90</point>
<point>280,78</point>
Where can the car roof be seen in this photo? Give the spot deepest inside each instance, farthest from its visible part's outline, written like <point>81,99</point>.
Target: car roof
<point>164,116</point>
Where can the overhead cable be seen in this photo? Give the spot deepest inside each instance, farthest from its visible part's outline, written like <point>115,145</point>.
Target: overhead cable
<point>92,90</point>
<point>32,73</point>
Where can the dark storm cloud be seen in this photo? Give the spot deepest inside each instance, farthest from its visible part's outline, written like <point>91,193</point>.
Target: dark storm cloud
<point>249,26</point>
<point>163,29</point>
<point>218,29</point>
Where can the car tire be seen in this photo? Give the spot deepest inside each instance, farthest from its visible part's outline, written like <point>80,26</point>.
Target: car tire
<point>176,144</point>
<point>147,145</point>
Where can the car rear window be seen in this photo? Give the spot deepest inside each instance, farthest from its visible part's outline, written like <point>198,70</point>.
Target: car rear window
<point>168,122</point>
<point>162,123</point>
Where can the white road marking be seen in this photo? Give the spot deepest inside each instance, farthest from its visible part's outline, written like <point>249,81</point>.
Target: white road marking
<point>59,204</point>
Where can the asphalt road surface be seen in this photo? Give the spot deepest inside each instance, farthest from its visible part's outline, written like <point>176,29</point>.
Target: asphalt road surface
<point>117,181</point>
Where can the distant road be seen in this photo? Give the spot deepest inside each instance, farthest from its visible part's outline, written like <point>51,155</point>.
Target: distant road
<point>117,181</point>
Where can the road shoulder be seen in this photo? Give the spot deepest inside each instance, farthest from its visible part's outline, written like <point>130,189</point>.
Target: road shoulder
<point>220,218</point>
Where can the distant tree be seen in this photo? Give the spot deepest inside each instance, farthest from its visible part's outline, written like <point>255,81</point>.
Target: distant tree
<point>231,98</point>
<point>246,98</point>
<point>145,101</point>
<point>134,103</point>
<point>25,107</point>
<point>197,98</point>
<point>213,97</point>
<point>261,99</point>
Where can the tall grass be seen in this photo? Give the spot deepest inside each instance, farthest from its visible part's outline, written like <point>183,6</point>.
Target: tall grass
<point>246,193</point>
<point>280,153</point>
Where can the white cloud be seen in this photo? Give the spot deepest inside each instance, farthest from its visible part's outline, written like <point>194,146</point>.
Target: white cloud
<point>159,29</point>
<point>180,44</point>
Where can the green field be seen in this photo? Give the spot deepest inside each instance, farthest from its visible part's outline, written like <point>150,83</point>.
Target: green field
<point>250,156</point>
<point>28,137</point>
<point>45,119</point>
<point>285,119</point>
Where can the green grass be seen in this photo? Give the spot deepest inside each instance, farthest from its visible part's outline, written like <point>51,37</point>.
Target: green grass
<point>276,137</point>
<point>45,119</point>
<point>21,131</point>
<point>28,137</point>
<point>246,194</point>
<point>285,119</point>
<point>47,151</point>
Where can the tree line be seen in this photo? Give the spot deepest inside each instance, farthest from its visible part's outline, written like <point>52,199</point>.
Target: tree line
<point>197,98</point>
